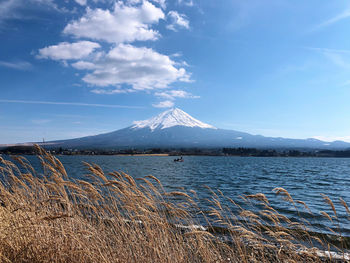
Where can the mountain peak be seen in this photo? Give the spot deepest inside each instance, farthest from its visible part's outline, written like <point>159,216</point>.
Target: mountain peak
<point>170,118</point>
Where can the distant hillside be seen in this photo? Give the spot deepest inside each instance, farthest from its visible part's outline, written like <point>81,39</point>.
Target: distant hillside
<point>176,128</point>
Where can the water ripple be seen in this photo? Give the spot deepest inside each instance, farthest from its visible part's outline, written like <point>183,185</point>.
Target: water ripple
<point>304,178</point>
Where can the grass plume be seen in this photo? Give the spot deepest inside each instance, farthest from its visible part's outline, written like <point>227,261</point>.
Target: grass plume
<point>111,217</point>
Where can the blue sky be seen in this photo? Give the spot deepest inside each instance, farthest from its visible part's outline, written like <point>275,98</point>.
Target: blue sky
<point>70,68</point>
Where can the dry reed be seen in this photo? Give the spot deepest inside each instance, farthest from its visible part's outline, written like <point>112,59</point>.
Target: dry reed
<point>113,218</point>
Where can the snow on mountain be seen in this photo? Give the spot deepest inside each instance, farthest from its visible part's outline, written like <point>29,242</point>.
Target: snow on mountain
<point>176,129</point>
<point>170,118</point>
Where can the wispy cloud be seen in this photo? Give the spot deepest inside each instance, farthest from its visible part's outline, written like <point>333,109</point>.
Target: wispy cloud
<point>172,94</point>
<point>112,91</point>
<point>71,104</point>
<point>19,65</point>
<point>329,50</point>
<point>339,57</point>
<point>177,21</point>
<point>6,9</point>
<point>67,115</point>
<point>81,2</point>
<point>164,104</point>
<point>186,2</point>
<point>40,121</point>
<point>343,15</point>
<point>14,9</point>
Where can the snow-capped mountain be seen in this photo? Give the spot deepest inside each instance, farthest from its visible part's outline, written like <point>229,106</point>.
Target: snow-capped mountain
<point>171,118</point>
<point>175,128</point>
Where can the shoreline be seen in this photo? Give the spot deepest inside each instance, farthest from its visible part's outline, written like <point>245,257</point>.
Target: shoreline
<point>235,152</point>
<point>141,154</point>
<point>175,155</point>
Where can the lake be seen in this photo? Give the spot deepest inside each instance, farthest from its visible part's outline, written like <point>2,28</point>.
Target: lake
<point>304,178</point>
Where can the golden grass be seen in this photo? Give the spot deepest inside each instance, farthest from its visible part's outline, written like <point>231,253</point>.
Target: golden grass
<point>113,218</point>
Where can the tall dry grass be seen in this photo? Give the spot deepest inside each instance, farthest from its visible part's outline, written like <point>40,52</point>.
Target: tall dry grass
<point>50,217</point>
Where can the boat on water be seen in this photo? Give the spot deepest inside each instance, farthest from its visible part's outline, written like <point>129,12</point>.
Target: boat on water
<point>179,159</point>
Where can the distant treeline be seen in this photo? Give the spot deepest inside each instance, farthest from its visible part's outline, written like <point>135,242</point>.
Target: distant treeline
<point>241,151</point>
<point>268,152</point>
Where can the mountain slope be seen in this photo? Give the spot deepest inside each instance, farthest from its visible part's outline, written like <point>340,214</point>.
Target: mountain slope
<point>175,128</point>
<point>171,118</point>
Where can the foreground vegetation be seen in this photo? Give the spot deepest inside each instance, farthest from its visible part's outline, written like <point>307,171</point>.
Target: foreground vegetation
<point>50,217</point>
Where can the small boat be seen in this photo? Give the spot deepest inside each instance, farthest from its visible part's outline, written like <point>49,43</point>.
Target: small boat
<point>179,159</point>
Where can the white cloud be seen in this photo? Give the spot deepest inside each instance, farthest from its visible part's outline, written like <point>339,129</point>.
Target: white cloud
<point>164,104</point>
<point>125,23</point>
<point>120,67</point>
<point>177,21</point>
<point>64,50</point>
<point>186,2</point>
<point>112,91</point>
<point>161,3</point>
<point>83,65</point>
<point>140,67</point>
<point>172,94</point>
<point>19,65</point>
<point>81,2</point>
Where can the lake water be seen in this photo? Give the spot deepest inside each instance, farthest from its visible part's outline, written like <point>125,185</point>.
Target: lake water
<point>304,178</point>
